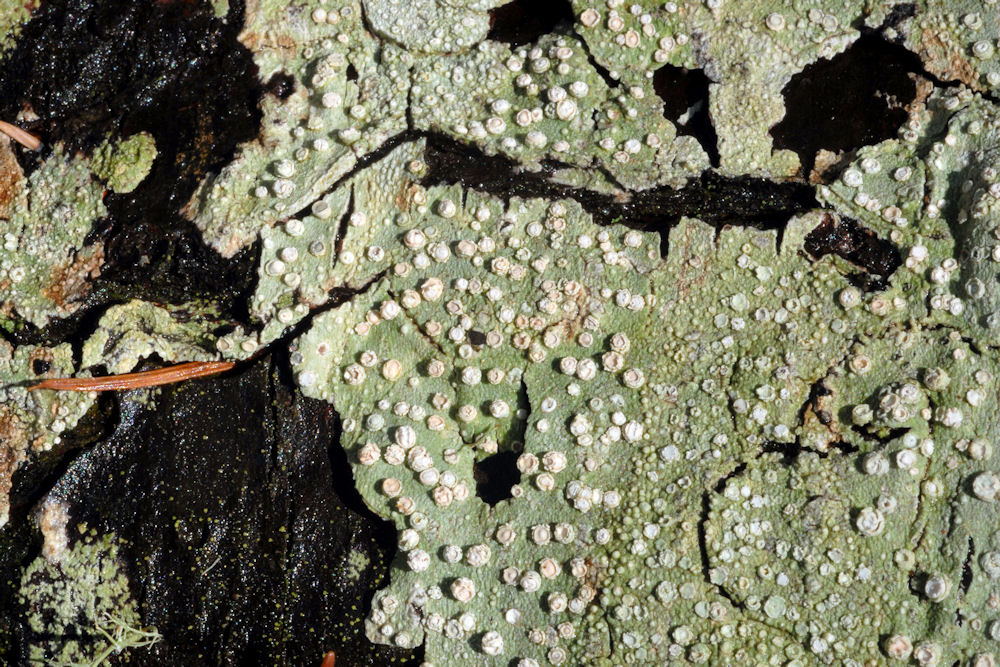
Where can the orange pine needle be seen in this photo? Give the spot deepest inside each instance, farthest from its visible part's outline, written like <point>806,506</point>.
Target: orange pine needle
<point>23,137</point>
<point>329,659</point>
<point>154,378</point>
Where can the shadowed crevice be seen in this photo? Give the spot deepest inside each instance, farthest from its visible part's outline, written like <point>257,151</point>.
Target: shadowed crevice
<point>857,98</point>
<point>706,565</point>
<point>790,451</point>
<point>495,475</point>
<point>712,198</point>
<point>685,104</point>
<point>524,21</point>
<point>281,85</point>
<point>602,71</point>
<point>966,581</point>
<point>889,436</point>
<point>898,15</point>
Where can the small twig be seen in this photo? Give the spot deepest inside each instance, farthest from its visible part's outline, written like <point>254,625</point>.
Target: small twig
<point>154,378</point>
<point>209,568</point>
<point>23,137</point>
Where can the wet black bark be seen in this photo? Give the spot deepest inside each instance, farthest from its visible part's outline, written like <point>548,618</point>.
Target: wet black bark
<point>245,540</point>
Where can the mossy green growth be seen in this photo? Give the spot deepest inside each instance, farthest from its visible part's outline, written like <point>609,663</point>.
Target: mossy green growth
<point>220,7</point>
<point>356,563</point>
<point>123,164</point>
<point>79,609</point>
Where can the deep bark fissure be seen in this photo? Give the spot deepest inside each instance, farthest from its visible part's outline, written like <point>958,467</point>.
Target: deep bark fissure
<point>712,198</point>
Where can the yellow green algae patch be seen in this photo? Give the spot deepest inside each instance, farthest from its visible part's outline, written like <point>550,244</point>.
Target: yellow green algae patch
<point>13,16</point>
<point>125,163</point>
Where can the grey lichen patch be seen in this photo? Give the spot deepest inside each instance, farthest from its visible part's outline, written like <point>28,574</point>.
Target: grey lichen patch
<point>786,543</point>
<point>431,26</point>
<point>125,163</point>
<point>79,608</point>
<point>934,192</point>
<point>937,386</point>
<point>352,92</point>
<point>956,39</point>
<point>298,265</point>
<point>349,97</point>
<point>741,45</point>
<point>877,551</point>
<point>583,106</point>
<point>732,454</point>
<point>305,258</point>
<point>546,103</point>
<point>637,383</point>
<point>31,422</point>
<point>45,262</point>
<point>131,332</point>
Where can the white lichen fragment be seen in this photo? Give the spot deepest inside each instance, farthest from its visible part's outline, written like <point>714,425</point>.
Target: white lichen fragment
<point>220,7</point>
<point>52,519</point>
<point>32,422</point>
<point>133,331</point>
<point>79,608</point>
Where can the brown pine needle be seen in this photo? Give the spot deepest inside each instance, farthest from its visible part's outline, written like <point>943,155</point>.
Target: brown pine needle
<point>23,137</point>
<point>154,378</point>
